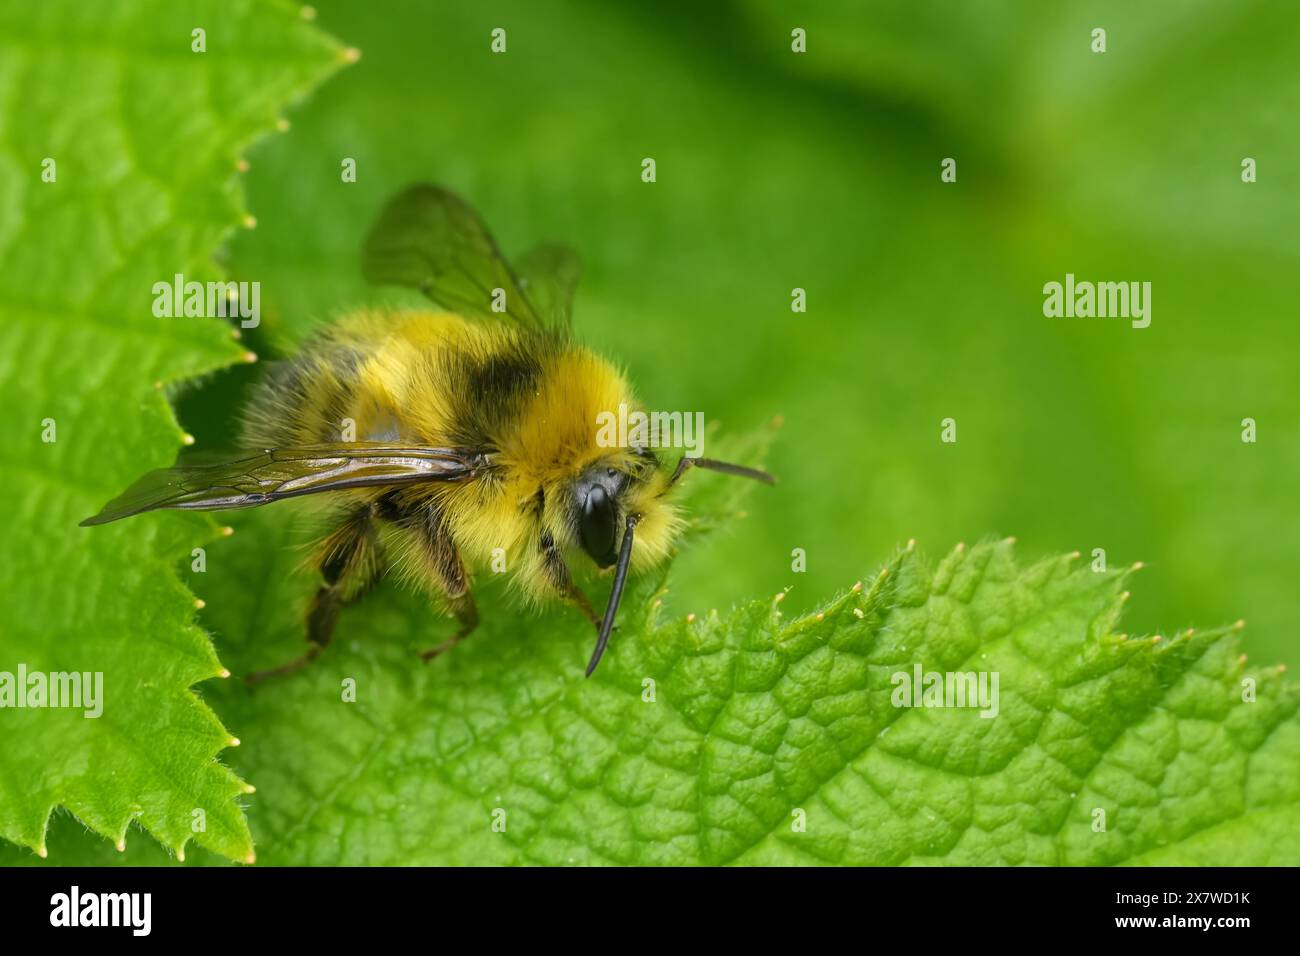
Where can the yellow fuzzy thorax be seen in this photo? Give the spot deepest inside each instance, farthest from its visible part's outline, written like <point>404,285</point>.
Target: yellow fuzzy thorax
<point>545,439</point>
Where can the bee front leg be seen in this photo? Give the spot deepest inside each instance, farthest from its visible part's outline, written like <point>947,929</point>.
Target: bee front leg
<point>557,572</point>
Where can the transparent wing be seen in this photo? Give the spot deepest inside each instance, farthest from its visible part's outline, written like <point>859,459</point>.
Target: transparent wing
<point>249,478</point>
<point>549,274</point>
<point>430,239</point>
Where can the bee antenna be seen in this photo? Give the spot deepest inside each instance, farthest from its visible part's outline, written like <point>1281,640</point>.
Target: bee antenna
<point>615,593</point>
<point>725,467</point>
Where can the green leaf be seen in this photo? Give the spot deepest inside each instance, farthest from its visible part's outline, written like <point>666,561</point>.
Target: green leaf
<point>756,721</point>
<point>144,134</point>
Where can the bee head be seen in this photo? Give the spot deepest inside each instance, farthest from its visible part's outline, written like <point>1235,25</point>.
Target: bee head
<point>628,493</point>
<point>607,493</point>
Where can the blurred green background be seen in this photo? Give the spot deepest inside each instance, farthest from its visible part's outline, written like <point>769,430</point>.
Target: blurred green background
<point>821,171</point>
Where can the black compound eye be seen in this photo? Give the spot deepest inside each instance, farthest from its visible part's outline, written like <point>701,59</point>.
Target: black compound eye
<point>596,526</point>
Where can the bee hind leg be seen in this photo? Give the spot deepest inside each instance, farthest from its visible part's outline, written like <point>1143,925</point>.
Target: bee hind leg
<point>349,562</point>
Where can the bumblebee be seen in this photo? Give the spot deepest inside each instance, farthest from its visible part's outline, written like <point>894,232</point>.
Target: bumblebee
<point>472,435</point>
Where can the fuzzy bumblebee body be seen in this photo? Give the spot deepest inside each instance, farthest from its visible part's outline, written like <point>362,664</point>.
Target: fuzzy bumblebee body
<point>448,441</point>
<point>527,399</point>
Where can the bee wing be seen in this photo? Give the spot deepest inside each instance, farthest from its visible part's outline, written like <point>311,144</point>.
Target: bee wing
<point>430,239</point>
<point>249,478</point>
<point>549,274</point>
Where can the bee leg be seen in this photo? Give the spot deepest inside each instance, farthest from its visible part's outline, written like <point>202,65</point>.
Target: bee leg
<point>466,612</point>
<point>445,566</point>
<point>349,563</point>
<point>579,600</point>
<point>558,573</point>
